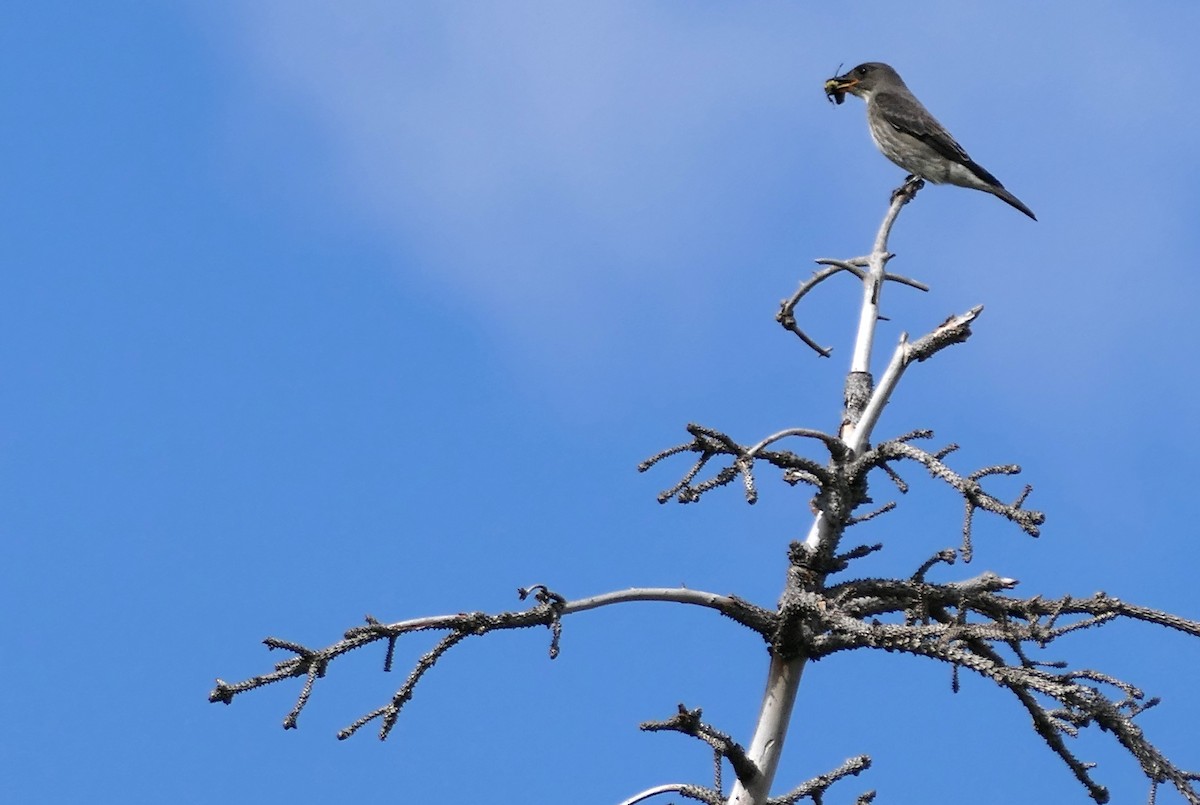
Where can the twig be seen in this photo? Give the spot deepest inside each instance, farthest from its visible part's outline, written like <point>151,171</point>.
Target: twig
<point>689,722</point>
<point>817,786</point>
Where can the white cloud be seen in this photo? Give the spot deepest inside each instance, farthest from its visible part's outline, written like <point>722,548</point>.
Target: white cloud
<point>526,154</point>
<point>560,166</point>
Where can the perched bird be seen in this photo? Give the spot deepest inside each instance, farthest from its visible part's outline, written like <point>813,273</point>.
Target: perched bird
<point>908,135</point>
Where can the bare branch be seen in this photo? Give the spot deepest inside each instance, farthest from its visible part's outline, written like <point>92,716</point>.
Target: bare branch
<point>817,786</point>
<point>948,556</point>
<point>953,330</point>
<point>391,711</point>
<point>974,497</point>
<point>787,308</point>
<point>862,518</point>
<point>688,722</point>
<point>690,791</point>
<point>549,610</point>
<point>937,626</point>
<point>711,443</point>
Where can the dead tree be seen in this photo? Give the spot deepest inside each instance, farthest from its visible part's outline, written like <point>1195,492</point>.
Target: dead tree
<point>970,625</point>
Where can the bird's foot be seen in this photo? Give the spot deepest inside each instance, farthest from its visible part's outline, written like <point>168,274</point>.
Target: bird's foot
<point>909,189</point>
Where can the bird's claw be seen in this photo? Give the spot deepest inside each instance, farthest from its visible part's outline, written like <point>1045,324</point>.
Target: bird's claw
<point>909,189</point>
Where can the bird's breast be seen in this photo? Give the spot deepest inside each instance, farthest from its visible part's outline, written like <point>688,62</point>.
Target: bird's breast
<point>909,152</point>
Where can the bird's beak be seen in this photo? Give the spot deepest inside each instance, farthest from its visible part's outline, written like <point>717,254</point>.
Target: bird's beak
<point>836,88</point>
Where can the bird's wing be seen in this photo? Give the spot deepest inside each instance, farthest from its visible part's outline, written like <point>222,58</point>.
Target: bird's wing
<point>906,114</point>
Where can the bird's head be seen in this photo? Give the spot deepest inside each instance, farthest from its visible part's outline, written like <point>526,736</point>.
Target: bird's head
<point>862,81</point>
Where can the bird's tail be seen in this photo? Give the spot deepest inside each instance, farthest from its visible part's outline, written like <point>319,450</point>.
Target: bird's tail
<point>1008,198</point>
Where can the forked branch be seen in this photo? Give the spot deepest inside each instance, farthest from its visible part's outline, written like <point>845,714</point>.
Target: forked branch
<point>548,611</point>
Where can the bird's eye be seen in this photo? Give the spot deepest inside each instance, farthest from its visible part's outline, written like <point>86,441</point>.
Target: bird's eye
<point>862,70</point>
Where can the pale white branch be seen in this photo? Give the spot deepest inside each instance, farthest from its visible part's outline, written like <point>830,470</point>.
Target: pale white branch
<point>783,675</point>
<point>952,331</point>
<point>666,788</point>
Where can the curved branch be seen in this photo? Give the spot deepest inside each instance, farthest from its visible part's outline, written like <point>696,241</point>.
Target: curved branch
<point>787,308</point>
<point>683,789</point>
<point>550,609</point>
<point>837,448</point>
<point>710,443</point>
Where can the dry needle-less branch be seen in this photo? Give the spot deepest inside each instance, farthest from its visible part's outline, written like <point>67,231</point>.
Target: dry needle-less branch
<point>548,611</point>
<point>953,330</point>
<point>815,788</point>
<point>391,711</point>
<point>689,722</point>
<point>968,486</point>
<point>876,263</point>
<point>787,308</point>
<point>709,444</point>
<point>966,624</point>
<point>706,795</point>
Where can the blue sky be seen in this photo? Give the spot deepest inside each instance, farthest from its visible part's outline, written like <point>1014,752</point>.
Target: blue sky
<point>311,311</point>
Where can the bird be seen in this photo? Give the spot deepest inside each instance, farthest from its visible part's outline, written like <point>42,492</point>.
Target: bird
<point>905,132</point>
